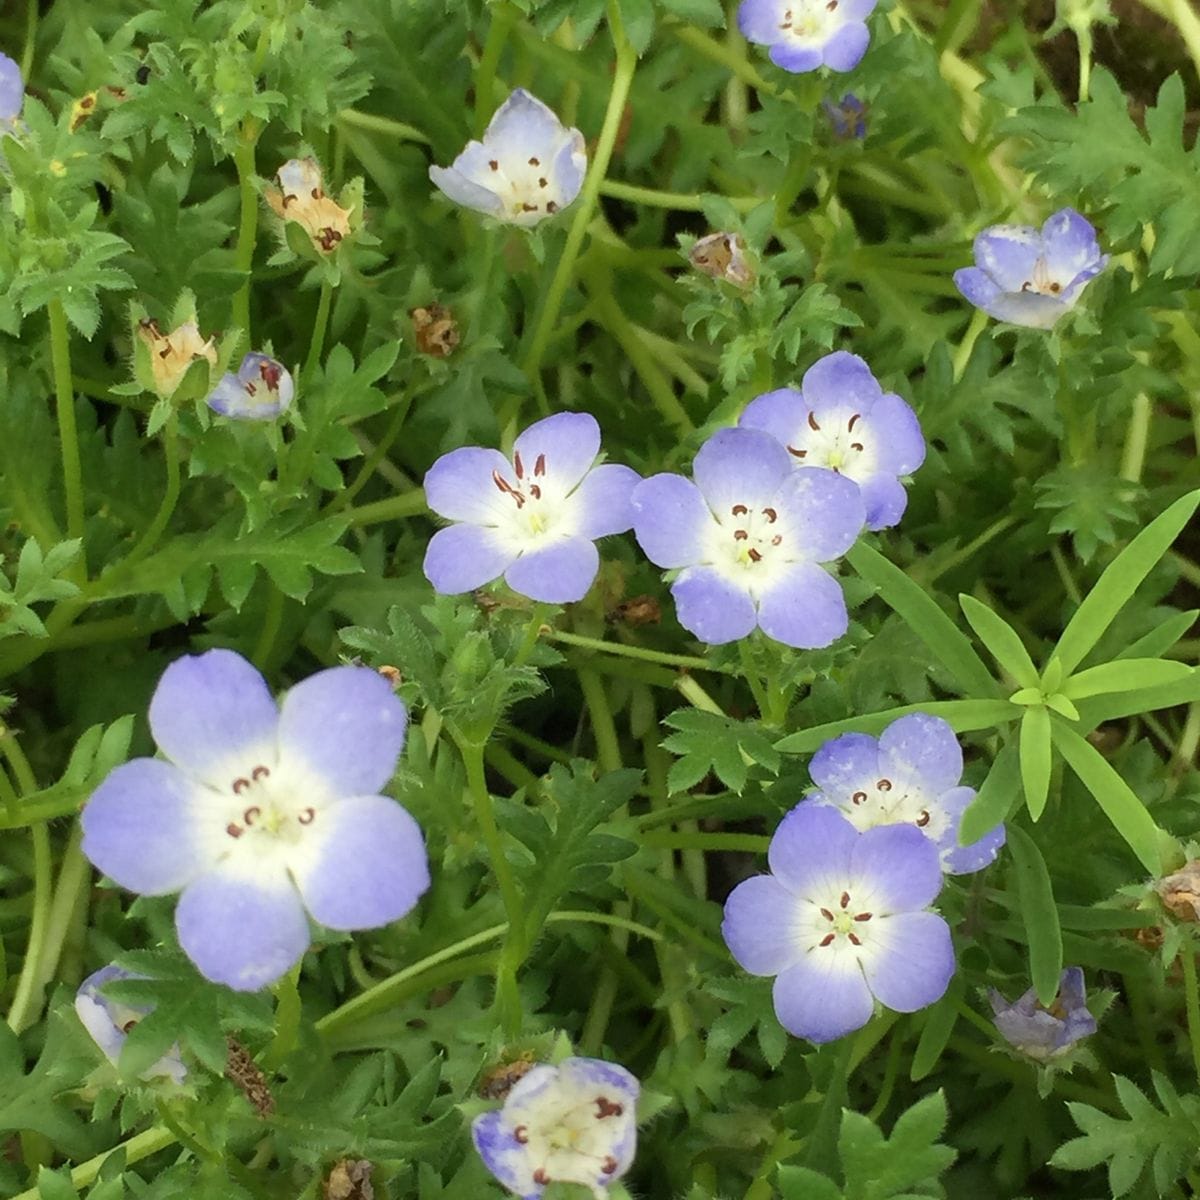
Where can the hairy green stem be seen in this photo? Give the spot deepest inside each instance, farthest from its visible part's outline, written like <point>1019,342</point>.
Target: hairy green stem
<point>407,504</point>
<point>141,1145</point>
<point>504,17</point>
<point>962,355</point>
<point>64,402</point>
<point>377,455</point>
<point>166,507</point>
<point>384,125</point>
<point>243,158</point>
<point>608,746</point>
<point>684,662</point>
<point>1137,434</point>
<point>317,342</point>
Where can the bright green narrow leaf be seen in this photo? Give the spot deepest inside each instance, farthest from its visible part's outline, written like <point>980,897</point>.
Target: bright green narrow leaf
<point>1060,704</point>
<point>939,1025</point>
<point>1124,675</point>
<point>1162,637</point>
<point>996,800</point>
<point>1115,705</point>
<point>921,614</point>
<point>1027,695</point>
<point>1120,580</point>
<point>962,716</point>
<point>1035,759</point>
<point>1118,800</point>
<point>1038,913</point>
<point>1001,639</point>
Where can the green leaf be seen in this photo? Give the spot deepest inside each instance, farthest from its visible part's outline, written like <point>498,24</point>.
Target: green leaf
<point>800,1183</point>
<point>1120,580</point>
<point>919,611</point>
<point>939,1025</point>
<point>1162,637</point>
<point>1035,759</point>
<point>1038,912</point>
<point>1115,705</point>
<point>1117,799</point>
<point>707,13</point>
<point>638,19</point>
<point>1124,675</point>
<point>877,1168</point>
<point>997,798</point>
<point>1001,639</point>
<point>712,742</point>
<point>962,716</point>
<point>55,1186</point>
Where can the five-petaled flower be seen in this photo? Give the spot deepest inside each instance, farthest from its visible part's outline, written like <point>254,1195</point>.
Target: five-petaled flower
<point>12,94</point>
<point>806,34</point>
<point>298,194</point>
<point>1031,277</point>
<point>109,1022</point>
<point>842,921</point>
<point>260,391</point>
<point>262,812</point>
<point>749,534</point>
<point>527,168</point>
<point>1041,1033</point>
<point>843,420</point>
<point>909,775</point>
<point>533,520</point>
<point>573,1123</point>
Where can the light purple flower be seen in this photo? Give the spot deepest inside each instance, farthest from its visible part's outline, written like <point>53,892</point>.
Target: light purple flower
<point>261,813</point>
<point>527,168</point>
<point>806,34</point>
<point>909,775</point>
<point>533,520</point>
<point>1032,278</point>
<point>573,1123</point>
<point>841,922</point>
<point>260,391</point>
<point>109,1022</point>
<point>749,534</point>
<point>1045,1034</point>
<point>847,117</point>
<point>12,92</point>
<point>843,420</point>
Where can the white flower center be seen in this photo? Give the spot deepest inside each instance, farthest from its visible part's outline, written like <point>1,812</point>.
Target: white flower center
<point>841,927</point>
<point>896,802</point>
<point>840,441</point>
<point>525,186</point>
<point>541,510</point>
<point>572,1143</point>
<point>1042,282</point>
<point>808,21</point>
<point>268,816</point>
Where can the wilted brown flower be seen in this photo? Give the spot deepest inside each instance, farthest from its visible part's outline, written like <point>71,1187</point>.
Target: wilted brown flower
<point>349,1179</point>
<point>723,256</point>
<point>299,195</point>
<point>436,330</point>
<point>1180,892</point>
<point>172,353</point>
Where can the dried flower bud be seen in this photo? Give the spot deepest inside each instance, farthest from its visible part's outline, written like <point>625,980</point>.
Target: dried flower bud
<point>391,674</point>
<point>436,330</point>
<point>299,195</point>
<point>1180,892</point>
<point>244,1073</point>
<point>82,109</point>
<point>350,1179</point>
<point>723,256</point>
<point>638,610</point>
<point>500,1079</point>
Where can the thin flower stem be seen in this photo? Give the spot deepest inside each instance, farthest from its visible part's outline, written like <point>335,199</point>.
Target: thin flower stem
<point>696,696</point>
<point>141,1145</point>
<point>579,916</point>
<point>243,158</point>
<point>684,662</point>
<point>377,455</point>
<point>385,125</point>
<point>317,342</point>
<point>750,675</point>
<point>504,17</point>
<point>32,9</point>
<point>1137,434</point>
<point>730,56</point>
<point>747,843</point>
<point>678,201</point>
<point>962,356</point>
<point>407,504</point>
<point>1192,1000</point>
<point>166,508</point>
<point>1083,35</point>
<point>538,618</point>
<point>74,878</point>
<point>608,746</point>
<point>64,402</point>
<point>600,1009</point>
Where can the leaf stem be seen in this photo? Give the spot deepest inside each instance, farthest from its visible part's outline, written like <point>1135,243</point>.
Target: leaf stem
<point>684,662</point>
<point>243,157</point>
<point>608,746</point>
<point>376,124</point>
<point>141,1145</point>
<point>166,508</point>
<point>962,356</point>
<point>64,401</point>
<point>317,341</point>
<point>407,504</point>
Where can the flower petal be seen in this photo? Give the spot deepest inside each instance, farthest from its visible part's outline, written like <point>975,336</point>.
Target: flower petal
<point>559,573</point>
<point>896,868</point>
<point>740,466</point>
<point>569,169</point>
<point>896,432</point>
<point>844,51</point>
<point>757,928</point>
<point>368,866</point>
<point>822,997</point>
<point>1070,245</point>
<point>12,89</point>
<point>524,125</point>
<point>346,725</point>
<point>811,851</point>
<point>884,499</point>
<point>845,765</point>
<point>461,486</point>
<point>923,748</point>
<point>978,287</point>
<point>823,513</point>
<point>961,860</point>
<point>911,960</point>
<point>841,379</point>
<point>587,1074</point>
<point>213,715</point>
<point>455,185</point>
<point>506,1158</point>
<point>780,413</point>
<point>804,607</point>
<point>796,59</point>
<point>94,1010</point>
<point>670,520</point>
<point>1009,254</point>
<point>711,607</point>
<point>602,500</point>
<point>241,930</point>
<point>144,827</point>
<point>759,20</point>
<point>464,557</point>
<point>567,443</point>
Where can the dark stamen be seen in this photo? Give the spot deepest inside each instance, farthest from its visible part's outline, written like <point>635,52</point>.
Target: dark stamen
<point>540,1176</point>
<point>855,939</point>
<point>306,816</point>
<point>521,1134</point>
<point>754,555</point>
<point>543,182</point>
<point>529,207</point>
<point>259,773</point>
<point>922,820</point>
<point>884,785</point>
<point>845,900</point>
<point>740,535</point>
<point>827,939</point>
<point>535,162</point>
<point>234,830</point>
<point>859,798</point>
<point>827,914</point>
<point>864,916</point>
<point>771,515</point>
<point>739,510</point>
<point>494,165</point>
<point>608,1166</point>
<point>518,466</point>
<point>507,488</point>
<point>535,491</point>
<point>850,424</point>
<point>797,453</point>
<point>606,1108</point>
<point>551,206</point>
<point>240,785</point>
<point>856,445</point>
<point>539,466</point>
<point>812,423</point>
<point>777,539</point>
<point>251,813</point>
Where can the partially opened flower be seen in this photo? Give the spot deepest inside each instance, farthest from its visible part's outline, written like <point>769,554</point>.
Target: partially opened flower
<point>260,391</point>
<point>527,168</point>
<point>723,256</point>
<point>298,194</point>
<point>1031,277</point>
<point>573,1123</point>
<point>841,419</point>
<point>12,89</point>
<point>533,520</point>
<point>260,813</point>
<point>908,775</point>
<point>171,354</point>
<point>749,536</point>
<point>841,922</point>
<point>109,1022</point>
<point>1041,1033</point>
<point>806,34</point>
<point>847,117</point>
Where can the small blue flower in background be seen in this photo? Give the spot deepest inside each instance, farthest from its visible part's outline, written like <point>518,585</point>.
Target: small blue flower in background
<point>841,922</point>
<point>573,1123</point>
<point>847,117</point>
<point>749,535</point>
<point>527,168</point>
<point>909,775</point>
<point>841,419</point>
<point>260,813</point>
<point>260,391</point>
<point>533,520</point>
<point>1032,278</point>
<point>806,34</point>
<point>1040,1033</point>
<point>12,93</point>
<point>109,1022</point>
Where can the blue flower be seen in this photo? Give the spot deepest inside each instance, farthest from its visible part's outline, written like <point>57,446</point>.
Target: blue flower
<point>843,420</point>
<point>260,391</point>
<point>1045,1034</point>
<point>260,813</point>
<point>109,1022</point>
<point>573,1123</point>
<point>533,520</point>
<point>527,168</point>
<point>847,117</point>
<point>12,93</point>
<point>841,922</point>
<point>748,537</point>
<point>1032,278</point>
<point>909,775</point>
<point>806,34</point>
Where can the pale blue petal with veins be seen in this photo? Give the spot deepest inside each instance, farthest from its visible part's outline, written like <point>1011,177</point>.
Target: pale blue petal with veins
<point>1041,1033</point>
<point>806,34</point>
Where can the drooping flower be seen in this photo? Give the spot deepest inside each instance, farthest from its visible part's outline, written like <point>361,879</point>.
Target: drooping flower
<point>841,922</point>
<point>1031,277</point>
<point>527,168</point>
<point>908,775</point>
<point>749,535</point>
<point>260,391</point>
<point>841,419</point>
<point>260,813</point>
<point>109,1022</point>
<point>723,256</point>
<point>847,117</point>
<point>573,1123</point>
<point>298,194</point>
<point>12,93</point>
<point>171,354</point>
<point>533,520</point>
<point>806,34</point>
<point>1045,1034</point>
